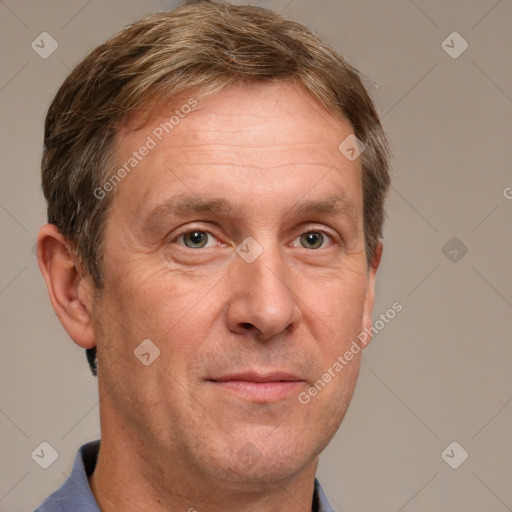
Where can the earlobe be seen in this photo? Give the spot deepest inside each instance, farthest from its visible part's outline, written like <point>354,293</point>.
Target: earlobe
<point>71,295</point>
<point>370,293</point>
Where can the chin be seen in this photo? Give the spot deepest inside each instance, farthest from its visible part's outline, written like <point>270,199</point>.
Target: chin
<point>262,465</point>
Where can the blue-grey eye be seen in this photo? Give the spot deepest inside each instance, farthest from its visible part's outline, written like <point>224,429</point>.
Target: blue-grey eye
<point>312,240</point>
<point>195,239</point>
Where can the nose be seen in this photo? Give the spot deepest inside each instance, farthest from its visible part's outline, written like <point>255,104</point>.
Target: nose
<point>262,301</point>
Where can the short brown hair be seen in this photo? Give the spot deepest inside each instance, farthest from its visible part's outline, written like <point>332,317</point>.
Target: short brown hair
<point>201,47</point>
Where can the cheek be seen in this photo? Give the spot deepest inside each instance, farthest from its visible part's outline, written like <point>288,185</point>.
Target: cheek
<point>337,305</point>
<point>175,313</point>
<point>155,301</point>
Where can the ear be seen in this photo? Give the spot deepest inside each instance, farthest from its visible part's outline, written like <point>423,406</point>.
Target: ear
<point>370,294</point>
<point>71,294</point>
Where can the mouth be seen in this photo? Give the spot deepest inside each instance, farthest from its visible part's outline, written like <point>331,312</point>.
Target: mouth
<point>259,387</point>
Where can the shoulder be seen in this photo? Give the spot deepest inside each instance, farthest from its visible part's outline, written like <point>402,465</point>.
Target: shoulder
<point>75,495</point>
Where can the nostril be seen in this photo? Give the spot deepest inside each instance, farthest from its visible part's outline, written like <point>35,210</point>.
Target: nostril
<point>247,325</point>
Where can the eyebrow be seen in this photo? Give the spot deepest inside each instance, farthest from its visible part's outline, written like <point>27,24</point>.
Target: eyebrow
<point>183,204</point>
<point>336,204</point>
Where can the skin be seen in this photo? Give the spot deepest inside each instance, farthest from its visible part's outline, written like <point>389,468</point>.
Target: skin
<point>171,438</point>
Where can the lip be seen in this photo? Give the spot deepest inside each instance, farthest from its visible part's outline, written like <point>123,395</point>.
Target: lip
<point>259,387</point>
<point>259,377</point>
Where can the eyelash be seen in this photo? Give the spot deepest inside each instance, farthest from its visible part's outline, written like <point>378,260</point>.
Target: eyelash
<point>192,230</point>
<point>323,231</point>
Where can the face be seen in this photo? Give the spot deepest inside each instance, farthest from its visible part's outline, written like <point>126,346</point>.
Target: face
<point>236,246</point>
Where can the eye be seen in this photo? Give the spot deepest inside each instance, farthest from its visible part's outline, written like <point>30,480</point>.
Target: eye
<point>196,239</point>
<point>312,240</point>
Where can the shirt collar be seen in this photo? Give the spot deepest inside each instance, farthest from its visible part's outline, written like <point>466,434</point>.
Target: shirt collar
<point>321,500</point>
<point>75,495</point>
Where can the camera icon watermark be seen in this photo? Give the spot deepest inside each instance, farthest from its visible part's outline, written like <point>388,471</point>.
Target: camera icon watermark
<point>454,45</point>
<point>351,147</point>
<point>454,249</point>
<point>249,250</point>
<point>147,352</point>
<point>44,455</point>
<point>454,455</point>
<point>44,45</point>
<point>249,454</point>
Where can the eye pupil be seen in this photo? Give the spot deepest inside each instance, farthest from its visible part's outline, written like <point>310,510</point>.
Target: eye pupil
<point>195,239</point>
<point>312,240</point>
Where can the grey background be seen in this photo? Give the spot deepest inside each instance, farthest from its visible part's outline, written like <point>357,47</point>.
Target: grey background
<point>439,372</point>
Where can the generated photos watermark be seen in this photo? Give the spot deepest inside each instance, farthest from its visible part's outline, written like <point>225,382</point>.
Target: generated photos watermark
<point>343,360</point>
<point>152,141</point>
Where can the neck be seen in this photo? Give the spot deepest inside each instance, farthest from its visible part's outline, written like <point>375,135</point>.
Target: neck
<point>119,484</point>
<point>132,476</point>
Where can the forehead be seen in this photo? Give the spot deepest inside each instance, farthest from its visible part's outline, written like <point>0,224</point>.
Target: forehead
<point>254,141</point>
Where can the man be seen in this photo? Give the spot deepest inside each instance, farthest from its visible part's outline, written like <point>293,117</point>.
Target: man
<point>215,179</point>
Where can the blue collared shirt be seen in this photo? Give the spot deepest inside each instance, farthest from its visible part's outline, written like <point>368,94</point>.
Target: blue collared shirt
<point>75,495</point>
